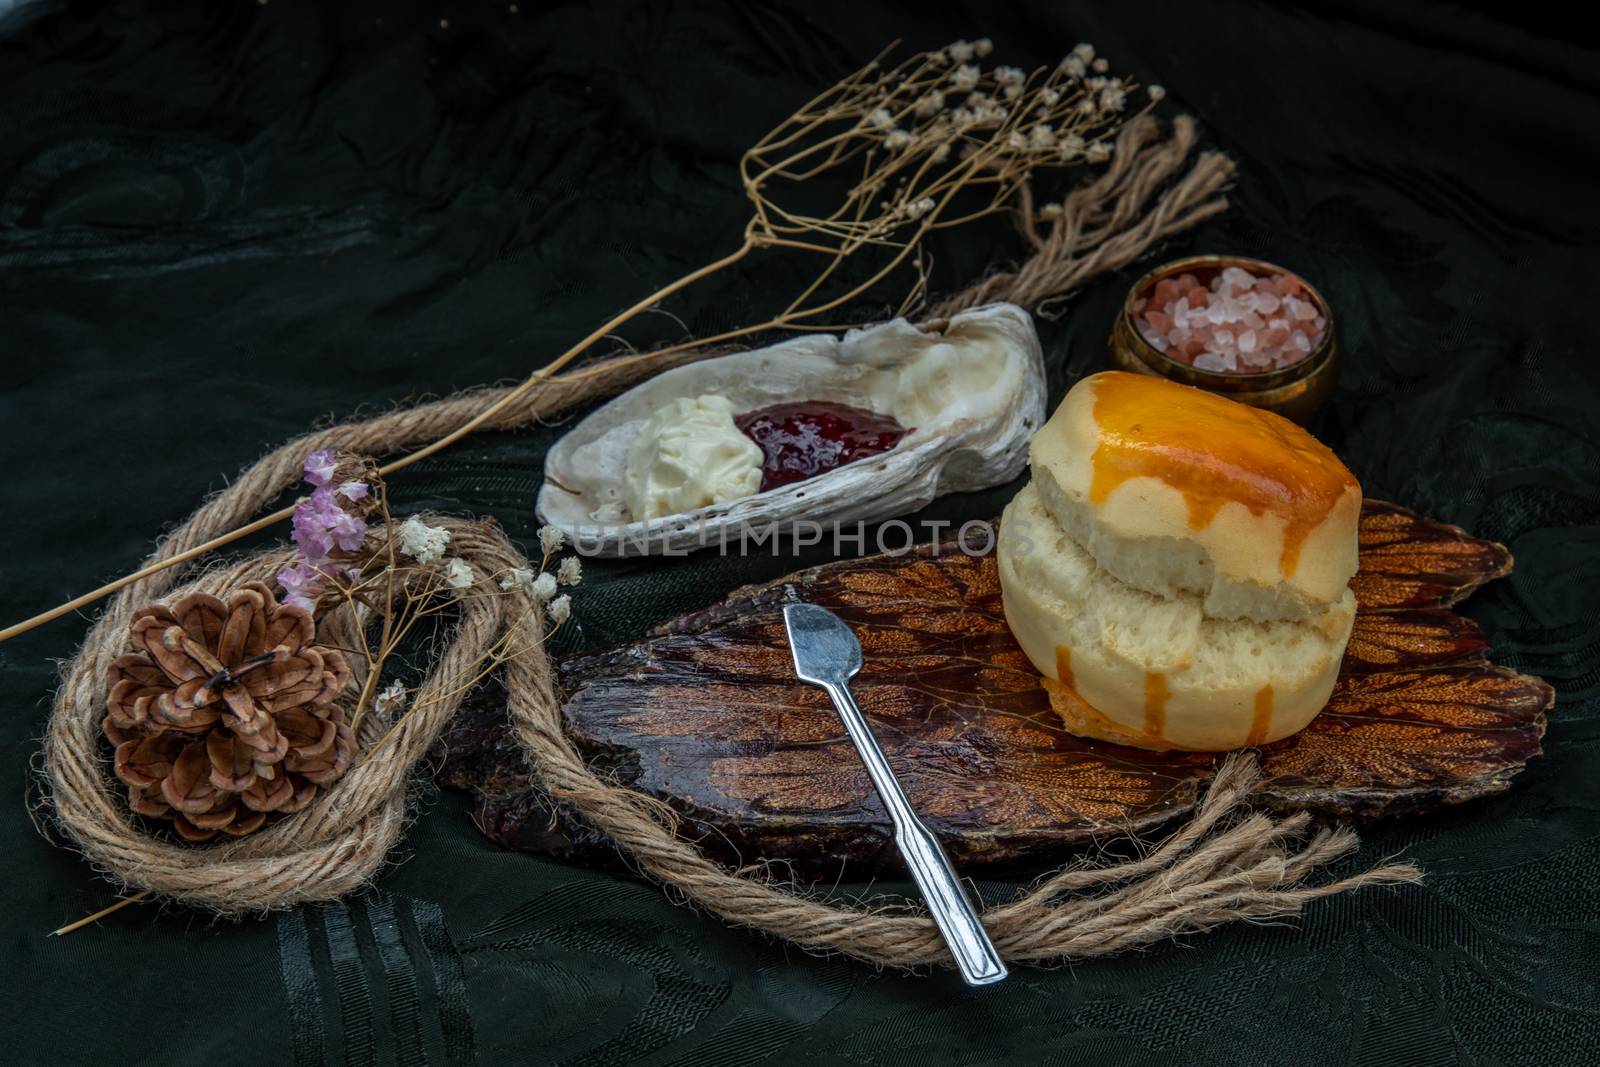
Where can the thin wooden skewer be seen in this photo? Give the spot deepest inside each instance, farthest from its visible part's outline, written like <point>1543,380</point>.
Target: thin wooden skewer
<point>850,227</point>
<point>101,914</point>
<point>541,375</point>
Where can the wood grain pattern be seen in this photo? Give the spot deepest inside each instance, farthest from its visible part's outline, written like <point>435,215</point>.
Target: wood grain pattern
<point>705,713</point>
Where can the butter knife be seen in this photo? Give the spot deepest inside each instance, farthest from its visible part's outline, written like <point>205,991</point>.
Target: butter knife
<point>827,654</point>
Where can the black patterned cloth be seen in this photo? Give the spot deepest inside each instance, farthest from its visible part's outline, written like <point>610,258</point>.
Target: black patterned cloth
<point>222,222</point>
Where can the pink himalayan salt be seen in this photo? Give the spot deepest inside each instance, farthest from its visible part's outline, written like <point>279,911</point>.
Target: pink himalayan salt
<point>1242,323</point>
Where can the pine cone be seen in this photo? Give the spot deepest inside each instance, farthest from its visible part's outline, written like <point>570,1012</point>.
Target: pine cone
<point>227,715</point>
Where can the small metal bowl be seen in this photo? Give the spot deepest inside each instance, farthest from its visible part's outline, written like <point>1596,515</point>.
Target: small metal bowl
<point>1297,391</point>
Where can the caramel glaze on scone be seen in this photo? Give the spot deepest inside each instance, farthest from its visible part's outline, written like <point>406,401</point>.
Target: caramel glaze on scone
<point>1179,568</point>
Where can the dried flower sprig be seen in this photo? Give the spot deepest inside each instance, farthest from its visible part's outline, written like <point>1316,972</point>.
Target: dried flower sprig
<point>393,574</point>
<point>931,143</point>
<point>330,525</point>
<point>938,141</point>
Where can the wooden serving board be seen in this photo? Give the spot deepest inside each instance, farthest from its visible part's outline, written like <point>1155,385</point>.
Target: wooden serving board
<point>706,714</point>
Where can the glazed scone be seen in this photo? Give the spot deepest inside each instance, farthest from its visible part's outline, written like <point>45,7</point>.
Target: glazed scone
<point>1179,568</point>
<point>1139,668</point>
<point>1174,490</point>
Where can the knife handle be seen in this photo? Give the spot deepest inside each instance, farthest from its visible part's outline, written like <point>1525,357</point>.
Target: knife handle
<point>975,955</point>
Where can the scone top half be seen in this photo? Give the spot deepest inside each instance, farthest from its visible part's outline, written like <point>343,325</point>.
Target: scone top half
<point>1179,566</point>
<point>1176,490</point>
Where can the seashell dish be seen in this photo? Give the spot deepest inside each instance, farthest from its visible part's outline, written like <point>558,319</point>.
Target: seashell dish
<point>970,396</point>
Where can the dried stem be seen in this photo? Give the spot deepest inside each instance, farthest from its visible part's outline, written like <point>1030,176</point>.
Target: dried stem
<point>88,920</point>
<point>919,161</point>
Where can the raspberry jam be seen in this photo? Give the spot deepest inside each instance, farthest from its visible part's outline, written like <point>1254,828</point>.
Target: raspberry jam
<point>813,437</point>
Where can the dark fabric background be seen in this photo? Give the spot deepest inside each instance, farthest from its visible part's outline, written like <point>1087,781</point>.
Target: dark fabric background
<point>221,222</point>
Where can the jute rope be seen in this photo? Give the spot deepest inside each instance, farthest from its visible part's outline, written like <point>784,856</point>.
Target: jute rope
<point>1111,221</point>
<point>339,841</point>
<point>1224,864</point>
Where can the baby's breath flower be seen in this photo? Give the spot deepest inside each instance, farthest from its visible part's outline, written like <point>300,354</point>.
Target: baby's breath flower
<point>1049,97</point>
<point>422,542</point>
<point>1088,106</point>
<point>929,103</point>
<point>518,578</point>
<point>1098,152</point>
<point>544,586</point>
<point>1113,98</point>
<point>570,572</point>
<point>391,700</point>
<point>1083,51</point>
<point>550,538</point>
<point>1042,136</point>
<point>881,118</point>
<point>962,51</point>
<point>1050,211</point>
<point>1073,67</point>
<point>982,46</point>
<point>941,153</point>
<point>560,609</point>
<point>1014,139</point>
<point>918,208</point>
<point>1011,91</point>
<point>458,573</point>
<point>1156,92</point>
<point>897,140</point>
<point>1069,146</point>
<point>965,78</point>
<point>1100,66</point>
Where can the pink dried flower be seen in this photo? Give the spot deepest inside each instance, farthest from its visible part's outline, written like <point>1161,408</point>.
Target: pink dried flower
<point>313,525</point>
<point>301,583</point>
<point>349,531</point>
<point>322,526</point>
<point>320,466</point>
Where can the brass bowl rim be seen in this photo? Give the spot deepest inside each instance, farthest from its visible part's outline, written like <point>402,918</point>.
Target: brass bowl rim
<point>1163,363</point>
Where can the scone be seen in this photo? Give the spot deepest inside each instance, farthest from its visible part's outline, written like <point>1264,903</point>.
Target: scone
<point>1179,568</point>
